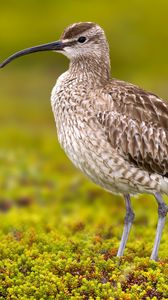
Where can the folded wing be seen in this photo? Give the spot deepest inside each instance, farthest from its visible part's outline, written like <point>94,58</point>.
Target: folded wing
<point>136,125</point>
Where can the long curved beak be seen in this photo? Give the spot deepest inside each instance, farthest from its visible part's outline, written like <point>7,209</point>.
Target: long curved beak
<point>57,46</point>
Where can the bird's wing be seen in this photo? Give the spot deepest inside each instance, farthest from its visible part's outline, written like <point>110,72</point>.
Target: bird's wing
<point>136,125</point>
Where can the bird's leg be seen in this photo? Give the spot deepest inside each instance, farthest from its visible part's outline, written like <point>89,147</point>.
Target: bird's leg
<point>129,217</point>
<point>162,212</point>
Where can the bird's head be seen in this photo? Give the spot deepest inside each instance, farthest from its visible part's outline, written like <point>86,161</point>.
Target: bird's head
<point>78,40</point>
<point>83,39</point>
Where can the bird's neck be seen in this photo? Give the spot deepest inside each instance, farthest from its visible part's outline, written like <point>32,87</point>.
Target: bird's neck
<point>94,69</point>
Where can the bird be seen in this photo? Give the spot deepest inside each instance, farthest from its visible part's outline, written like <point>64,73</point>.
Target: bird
<point>115,132</point>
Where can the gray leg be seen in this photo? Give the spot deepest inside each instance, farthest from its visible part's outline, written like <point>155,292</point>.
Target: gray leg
<point>127,225</point>
<point>162,212</point>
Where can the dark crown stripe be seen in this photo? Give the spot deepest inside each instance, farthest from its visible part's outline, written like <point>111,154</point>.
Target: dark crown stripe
<point>79,28</point>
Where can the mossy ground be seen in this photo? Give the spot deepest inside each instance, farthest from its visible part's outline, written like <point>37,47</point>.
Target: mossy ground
<point>59,233</point>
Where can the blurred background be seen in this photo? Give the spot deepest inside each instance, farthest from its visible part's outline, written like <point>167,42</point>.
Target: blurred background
<point>33,167</point>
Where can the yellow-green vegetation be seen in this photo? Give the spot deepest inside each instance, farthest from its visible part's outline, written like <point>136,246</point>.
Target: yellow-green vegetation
<point>59,233</point>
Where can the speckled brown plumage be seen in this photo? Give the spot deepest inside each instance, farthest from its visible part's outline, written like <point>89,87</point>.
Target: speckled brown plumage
<point>128,124</point>
<point>138,128</point>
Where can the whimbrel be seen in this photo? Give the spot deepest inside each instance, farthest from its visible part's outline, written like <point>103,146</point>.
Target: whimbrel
<point>113,131</point>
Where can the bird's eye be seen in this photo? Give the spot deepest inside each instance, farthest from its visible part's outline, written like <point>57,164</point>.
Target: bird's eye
<point>82,39</point>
